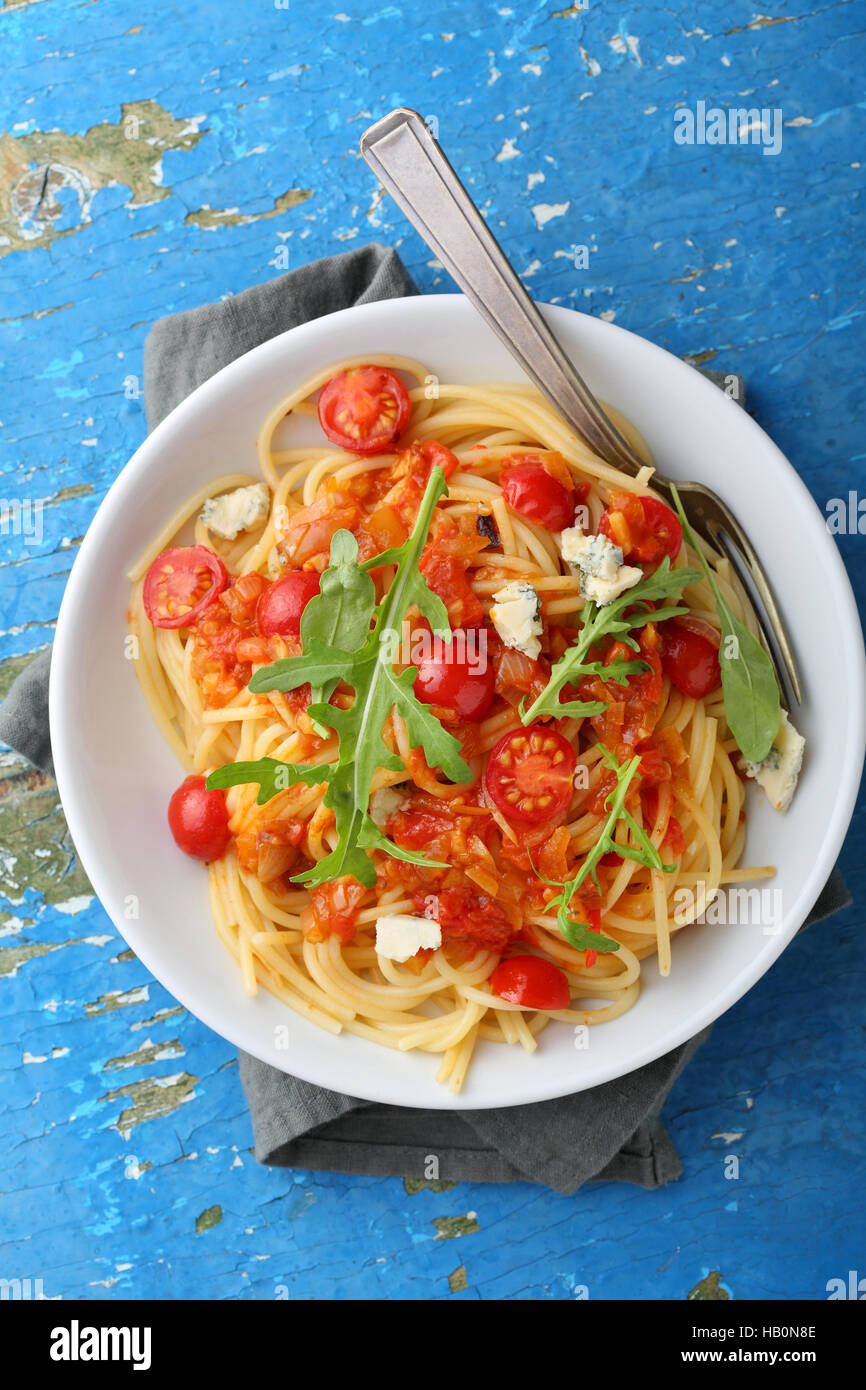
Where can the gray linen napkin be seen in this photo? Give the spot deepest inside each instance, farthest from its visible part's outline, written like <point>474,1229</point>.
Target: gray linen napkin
<point>612,1132</point>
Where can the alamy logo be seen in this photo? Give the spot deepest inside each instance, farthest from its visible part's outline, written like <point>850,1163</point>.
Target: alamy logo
<point>760,907</point>
<point>21,1290</point>
<point>22,516</point>
<point>851,1288</point>
<point>734,125</point>
<point>846,516</point>
<point>464,648</point>
<point>77,1343</point>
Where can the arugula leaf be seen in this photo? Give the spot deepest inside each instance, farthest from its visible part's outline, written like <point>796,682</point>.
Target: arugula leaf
<point>364,660</point>
<point>583,938</point>
<point>753,707</point>
<point>610,620</point>
<point>581,934</point>
<point>271,775</point>
<point>342,608</point>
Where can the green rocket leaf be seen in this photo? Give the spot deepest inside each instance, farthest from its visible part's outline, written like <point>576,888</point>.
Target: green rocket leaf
<point>347,648</point>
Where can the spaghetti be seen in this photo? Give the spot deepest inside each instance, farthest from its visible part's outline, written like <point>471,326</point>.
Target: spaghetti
<point>489,876</point>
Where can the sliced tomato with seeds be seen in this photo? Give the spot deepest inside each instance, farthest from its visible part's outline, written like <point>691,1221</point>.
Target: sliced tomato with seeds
<point>181,585</point>
<point>532,982</point>
<point>530,774</point>
<point>364,409</point>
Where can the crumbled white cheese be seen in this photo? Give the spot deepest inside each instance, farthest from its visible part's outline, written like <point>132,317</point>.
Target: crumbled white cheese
<point>777,774</point>
<point>516,615</point>
<point>383,803</point>
<point>236,511</point>
<point>400,937</point>
<point>603,576</point>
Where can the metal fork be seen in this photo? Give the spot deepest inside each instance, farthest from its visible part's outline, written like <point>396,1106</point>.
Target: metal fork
<point>407,160</point>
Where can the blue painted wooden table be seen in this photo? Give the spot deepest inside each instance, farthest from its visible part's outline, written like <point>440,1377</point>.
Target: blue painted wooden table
<point>161,156</point>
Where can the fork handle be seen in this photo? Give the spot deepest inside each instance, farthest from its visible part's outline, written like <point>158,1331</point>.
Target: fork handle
<point>407,160</point>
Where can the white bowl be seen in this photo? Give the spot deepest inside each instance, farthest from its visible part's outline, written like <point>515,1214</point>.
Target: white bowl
<point>115,773</point>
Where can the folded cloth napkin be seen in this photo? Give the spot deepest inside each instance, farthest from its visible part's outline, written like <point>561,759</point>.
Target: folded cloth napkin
<point>612,1132</point>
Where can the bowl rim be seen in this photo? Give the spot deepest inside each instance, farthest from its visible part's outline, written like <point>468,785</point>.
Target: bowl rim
<point>63,669</point>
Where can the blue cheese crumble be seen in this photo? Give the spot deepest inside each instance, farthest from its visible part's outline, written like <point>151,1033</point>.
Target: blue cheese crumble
<point>237,511</point>
<point>603,576</point>
<point>778,773</point>
<point>516,615</point>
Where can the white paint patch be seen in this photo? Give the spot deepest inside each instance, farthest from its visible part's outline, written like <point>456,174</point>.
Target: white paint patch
<point>608,315</point>
<point>509,151</point>
<point>800,120</point>
<point>546,212</point>
<point>729,1136</point>
<point>626,43</point>
<point>675,59</point>
<point>533,179</point>
<point>73,906</point>
<point>592,65</point>
<point>531,269</point>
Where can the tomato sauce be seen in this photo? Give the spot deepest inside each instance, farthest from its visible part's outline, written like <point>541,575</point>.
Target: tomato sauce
<point>487,882</point>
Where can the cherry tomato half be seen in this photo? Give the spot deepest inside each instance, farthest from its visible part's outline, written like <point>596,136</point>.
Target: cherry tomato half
<point>529,489</point>
<point>691,658</point>
<point>198,820</point>
<point>364,409</point>
<point>181,584</point>
<point>643,527</point>
<point>531,981</point>
<point>530,774</point>
<point>451,679</point>
<point>279,609</point>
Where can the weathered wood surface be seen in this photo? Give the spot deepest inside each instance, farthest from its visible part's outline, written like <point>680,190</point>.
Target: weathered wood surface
<point>159,157</point>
